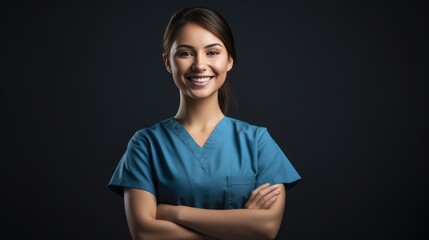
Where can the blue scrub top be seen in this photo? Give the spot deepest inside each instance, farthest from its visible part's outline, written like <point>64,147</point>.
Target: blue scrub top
<point>237,157</point>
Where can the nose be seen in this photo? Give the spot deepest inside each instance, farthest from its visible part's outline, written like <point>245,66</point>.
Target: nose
<point>199,64</point>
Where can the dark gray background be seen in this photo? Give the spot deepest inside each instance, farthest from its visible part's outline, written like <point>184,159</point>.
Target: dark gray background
<point>341,85</point>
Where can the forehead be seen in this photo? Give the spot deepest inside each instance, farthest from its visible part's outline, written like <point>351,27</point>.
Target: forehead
<point>195,35</point>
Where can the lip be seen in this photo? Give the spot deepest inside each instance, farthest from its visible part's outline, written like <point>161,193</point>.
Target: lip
<point>199,80</point>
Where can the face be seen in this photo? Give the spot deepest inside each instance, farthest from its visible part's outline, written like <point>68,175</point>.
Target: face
<point>198,61</point>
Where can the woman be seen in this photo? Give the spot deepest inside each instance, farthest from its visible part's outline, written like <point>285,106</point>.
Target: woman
<point>201,174</point>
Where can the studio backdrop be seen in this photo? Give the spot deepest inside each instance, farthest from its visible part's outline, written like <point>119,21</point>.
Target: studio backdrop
<point>342,86</point>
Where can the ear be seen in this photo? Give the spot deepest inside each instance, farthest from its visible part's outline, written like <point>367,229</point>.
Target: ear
<point>230,63</point>
<point>167,64</point>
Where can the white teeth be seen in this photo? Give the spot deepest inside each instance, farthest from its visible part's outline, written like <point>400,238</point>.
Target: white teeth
<point>200,80</point>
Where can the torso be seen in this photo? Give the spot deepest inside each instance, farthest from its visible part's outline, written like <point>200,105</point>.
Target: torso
<point>204,165</point>
<point>216,168</point>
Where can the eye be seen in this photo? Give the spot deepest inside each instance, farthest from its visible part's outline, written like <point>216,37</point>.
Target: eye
<point>185,54</point>
<point>213,53</point>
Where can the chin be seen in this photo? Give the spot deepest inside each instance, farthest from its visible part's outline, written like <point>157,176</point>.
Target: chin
<point>201,94</point>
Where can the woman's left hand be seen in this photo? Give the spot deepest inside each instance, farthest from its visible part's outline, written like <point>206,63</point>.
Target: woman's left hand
<point>263,197</point>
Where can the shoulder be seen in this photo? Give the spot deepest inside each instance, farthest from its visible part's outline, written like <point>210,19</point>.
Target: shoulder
<point>246,128</point>
<point>151,132</point>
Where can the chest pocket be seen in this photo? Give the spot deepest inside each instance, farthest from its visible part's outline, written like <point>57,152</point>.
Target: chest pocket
<point>239,189</point>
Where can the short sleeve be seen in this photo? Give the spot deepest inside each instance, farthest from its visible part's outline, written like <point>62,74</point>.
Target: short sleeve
<point>134,169</point>
<point>273,165</point>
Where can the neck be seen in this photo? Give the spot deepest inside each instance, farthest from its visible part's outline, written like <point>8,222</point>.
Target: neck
<point>200,113</point>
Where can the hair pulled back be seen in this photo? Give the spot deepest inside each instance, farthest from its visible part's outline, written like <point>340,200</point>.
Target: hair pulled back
<point>213,22</point>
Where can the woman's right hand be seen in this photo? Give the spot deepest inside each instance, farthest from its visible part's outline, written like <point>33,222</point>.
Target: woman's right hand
<point>262,197</point>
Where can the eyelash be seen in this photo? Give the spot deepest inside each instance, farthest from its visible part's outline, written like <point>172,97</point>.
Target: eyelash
<point>213,53</point>
<point>185,54</point>
<point>188,53</point>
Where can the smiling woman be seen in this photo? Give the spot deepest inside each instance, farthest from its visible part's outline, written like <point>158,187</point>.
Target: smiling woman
<point>201,174</point>
<point>198,61</point>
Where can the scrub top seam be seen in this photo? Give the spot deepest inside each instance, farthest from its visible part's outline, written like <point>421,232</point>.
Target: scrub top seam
<point>213,142</point>
<point>181,133</point>
<point>210,145</point>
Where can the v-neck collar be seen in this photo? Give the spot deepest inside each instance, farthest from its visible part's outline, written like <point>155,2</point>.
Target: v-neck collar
<point>201,153</point>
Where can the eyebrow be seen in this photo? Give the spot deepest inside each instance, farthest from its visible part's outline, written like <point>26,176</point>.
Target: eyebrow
<point>208,46</point>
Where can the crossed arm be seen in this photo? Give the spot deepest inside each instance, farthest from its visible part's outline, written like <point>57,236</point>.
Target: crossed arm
<point>260,219</point>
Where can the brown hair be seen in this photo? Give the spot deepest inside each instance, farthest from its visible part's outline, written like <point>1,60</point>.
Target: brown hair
<point>213,22</point>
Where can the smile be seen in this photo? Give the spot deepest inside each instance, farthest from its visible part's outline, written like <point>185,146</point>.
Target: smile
<point>200,79</point>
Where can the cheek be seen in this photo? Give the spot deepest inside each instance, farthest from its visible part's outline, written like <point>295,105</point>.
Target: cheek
<point>180,65</point>
<point>220,65</point>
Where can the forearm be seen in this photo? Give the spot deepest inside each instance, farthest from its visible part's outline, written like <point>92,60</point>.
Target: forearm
<point>230,224</point>
<point>161,229</point>
<point>141,211</point>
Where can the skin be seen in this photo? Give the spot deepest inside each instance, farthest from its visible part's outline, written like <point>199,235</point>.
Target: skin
<point>197,52</point>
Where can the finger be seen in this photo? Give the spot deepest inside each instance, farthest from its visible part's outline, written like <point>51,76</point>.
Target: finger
<point>257,196</point>
<point>256,190</point>
<point>269,202</point>
<point>267,190</point>
<point>263,202</point>
<point>267,195</point>
<point>250,202</point>
<point>261,194</point>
